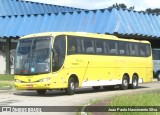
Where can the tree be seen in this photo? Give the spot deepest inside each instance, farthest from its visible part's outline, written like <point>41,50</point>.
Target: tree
<point>122,5</point>
<point>156,10</point>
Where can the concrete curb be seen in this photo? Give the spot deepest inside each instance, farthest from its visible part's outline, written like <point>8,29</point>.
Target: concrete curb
<point>82,110</point>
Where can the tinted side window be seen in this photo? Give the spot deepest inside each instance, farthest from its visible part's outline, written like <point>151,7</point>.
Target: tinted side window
<point>99,46</point>
<point>88,45</point>
<point>122,48</point>
<point>133,49</point>
<point>72,45</point>
<point>106,47</point>
<point>112,47</point>
<point>148,50</point>
<point>142,50</point>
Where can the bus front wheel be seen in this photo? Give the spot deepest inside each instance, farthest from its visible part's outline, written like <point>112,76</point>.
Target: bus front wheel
<point>71,86</point>
<point>41,91</point>
<point>125,83</point>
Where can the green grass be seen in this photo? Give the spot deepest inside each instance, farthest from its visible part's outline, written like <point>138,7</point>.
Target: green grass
<point>152,99</point>
<point>6,77</point>
<point>137,100</point>
<point>6,81</point>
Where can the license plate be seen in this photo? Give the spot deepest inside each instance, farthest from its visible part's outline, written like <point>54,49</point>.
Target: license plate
<point>29,86</point>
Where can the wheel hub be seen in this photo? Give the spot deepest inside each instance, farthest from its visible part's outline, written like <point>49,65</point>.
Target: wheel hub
<point>72,86</point>
<point>125,82</point>
<point>134,83</point>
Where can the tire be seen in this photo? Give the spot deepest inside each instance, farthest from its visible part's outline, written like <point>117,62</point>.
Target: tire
<point>125,83</point>
<point>96,88</point>
<point>134,84</point>
<point>158,76</point>
<point>71,86</point>
<point>41,91</point>
<point>108,87</point>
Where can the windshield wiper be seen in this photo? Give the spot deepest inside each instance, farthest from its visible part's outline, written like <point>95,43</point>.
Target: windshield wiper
<point>31,65</point>
<point>23,70</point>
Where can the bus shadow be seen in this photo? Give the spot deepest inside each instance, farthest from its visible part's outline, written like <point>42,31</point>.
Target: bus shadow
<point>82,91</point>
<point>34,93</point>
<point>55,93</point>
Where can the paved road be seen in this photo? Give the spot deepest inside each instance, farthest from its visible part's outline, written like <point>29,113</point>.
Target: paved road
<point>58,98</point>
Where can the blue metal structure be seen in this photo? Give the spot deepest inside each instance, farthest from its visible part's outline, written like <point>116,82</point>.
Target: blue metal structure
<point>21,7</point>
<point>19,18</point>
<point>105,21</point>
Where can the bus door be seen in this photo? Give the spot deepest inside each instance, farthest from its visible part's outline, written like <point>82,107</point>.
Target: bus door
<point>59,52</point>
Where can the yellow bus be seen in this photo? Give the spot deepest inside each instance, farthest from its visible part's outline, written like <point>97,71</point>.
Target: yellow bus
<point>70,60</point>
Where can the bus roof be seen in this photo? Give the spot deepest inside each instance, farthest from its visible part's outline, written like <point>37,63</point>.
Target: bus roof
<point>82,34</point>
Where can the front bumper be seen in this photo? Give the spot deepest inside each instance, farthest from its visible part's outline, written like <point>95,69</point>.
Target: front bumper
<point>34,86</point>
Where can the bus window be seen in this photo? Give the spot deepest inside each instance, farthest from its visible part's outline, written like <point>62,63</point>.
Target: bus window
<point>148,51</point>
<point>59,52</point>
<point>79,45</point>
<point>142,50</point>
<point>99,46</point>
<point>133,49</point>
<point>112,47</point>
<point>106,47</point>
<point>72,45</point>
<point>122,48</point>
<point>88,46</point>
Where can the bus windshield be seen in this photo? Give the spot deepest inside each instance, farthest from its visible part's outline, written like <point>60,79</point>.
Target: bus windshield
<point>33,56</point>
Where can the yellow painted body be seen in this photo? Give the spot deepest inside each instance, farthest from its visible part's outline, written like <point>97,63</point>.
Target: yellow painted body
<point>89,67</point>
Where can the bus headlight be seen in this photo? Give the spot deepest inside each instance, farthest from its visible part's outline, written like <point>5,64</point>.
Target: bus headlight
<point>45,79</point>
<point>18,81</point>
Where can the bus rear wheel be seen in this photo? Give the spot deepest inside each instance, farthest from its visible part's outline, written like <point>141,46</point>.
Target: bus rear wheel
<point>41,91</point>
<point>134,84</point>
<point>125,83</point>
<point>96,88</point>
<point>71,86</point>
